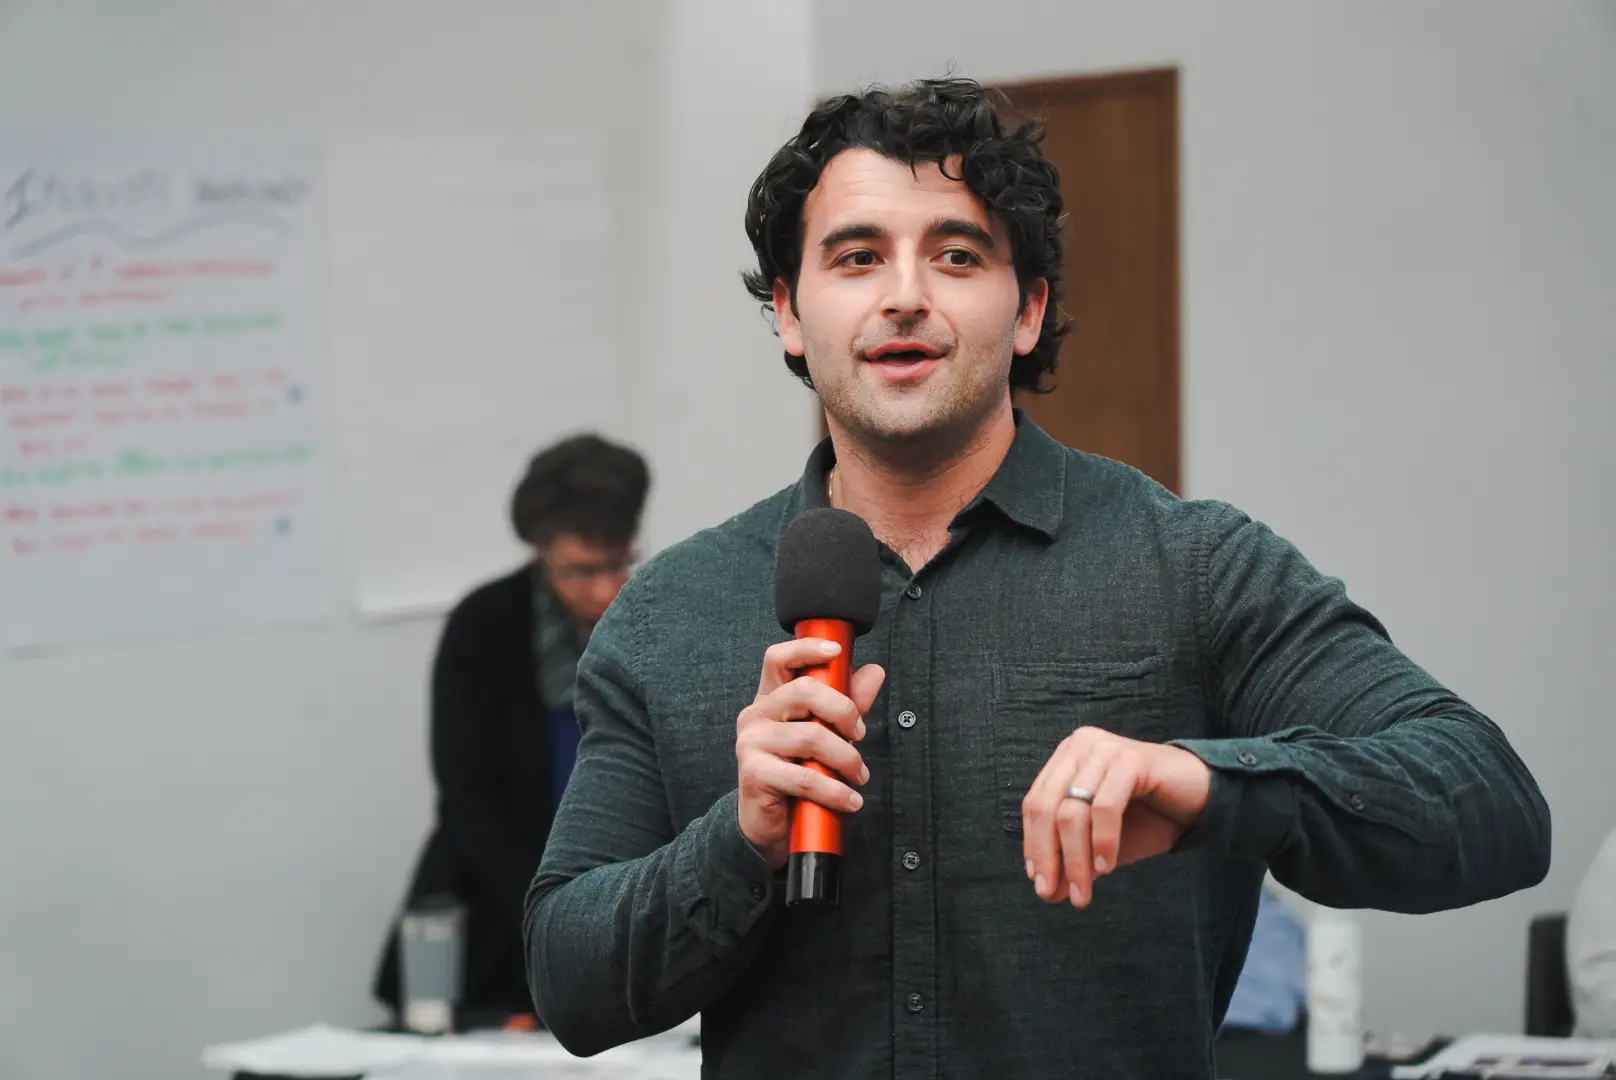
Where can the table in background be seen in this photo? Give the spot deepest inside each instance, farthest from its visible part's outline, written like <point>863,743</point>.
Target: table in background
<point>672,1055</point>
<point>1241,1055</point>
<point>1250,1055</point>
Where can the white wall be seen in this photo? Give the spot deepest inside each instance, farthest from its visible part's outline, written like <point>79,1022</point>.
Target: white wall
<point>201,840</point>
<point>723,421</point>
<point>1400,349</point>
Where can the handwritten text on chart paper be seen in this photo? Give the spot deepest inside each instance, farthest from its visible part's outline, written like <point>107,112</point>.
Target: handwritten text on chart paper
<point>157,382</point>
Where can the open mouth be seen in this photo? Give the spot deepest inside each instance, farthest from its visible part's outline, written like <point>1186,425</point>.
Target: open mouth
<point>899,362</point>
<point>901,357</point>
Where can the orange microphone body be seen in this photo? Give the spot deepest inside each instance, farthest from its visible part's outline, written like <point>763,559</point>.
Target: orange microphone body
<point>813,870</point>
<point>827,585</point>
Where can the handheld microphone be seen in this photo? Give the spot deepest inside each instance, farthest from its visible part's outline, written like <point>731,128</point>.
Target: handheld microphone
<point>827,584</point>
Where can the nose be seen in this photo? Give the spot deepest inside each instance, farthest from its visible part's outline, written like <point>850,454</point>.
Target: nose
<point>906,298</point>
<point>606,588</point>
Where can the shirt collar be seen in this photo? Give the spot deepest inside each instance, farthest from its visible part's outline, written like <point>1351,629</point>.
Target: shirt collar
<point>552,621</point>
<point>1029,487</point>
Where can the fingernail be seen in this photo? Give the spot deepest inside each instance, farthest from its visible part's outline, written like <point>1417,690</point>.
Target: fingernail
<point>1041,885</point>
<point>864,774</point>
<point>1077,897</point>
<point>829,648</point>
<point>857,800</point>
<point>1100,865</point>
<point>1029,869</point>
<point>859,731</point>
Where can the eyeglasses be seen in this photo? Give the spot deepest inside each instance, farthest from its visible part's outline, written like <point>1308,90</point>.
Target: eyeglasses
<point>581,573</point>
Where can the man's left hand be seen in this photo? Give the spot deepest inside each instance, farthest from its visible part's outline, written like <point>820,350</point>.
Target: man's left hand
<point>1146,795</point>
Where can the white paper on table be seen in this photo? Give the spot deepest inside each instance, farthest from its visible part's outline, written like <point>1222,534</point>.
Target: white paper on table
<point>505,1056</point>
<point>317,1050</point>
<point>1464,1053</point>
<point>321,1051</point>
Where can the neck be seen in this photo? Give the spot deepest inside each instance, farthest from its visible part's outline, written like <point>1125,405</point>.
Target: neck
<point>910,493</point>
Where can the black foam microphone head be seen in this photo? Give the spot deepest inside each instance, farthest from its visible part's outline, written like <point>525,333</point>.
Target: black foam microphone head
<point>829,567</point>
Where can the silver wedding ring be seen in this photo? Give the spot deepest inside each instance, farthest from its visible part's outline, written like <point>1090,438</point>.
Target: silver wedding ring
<point>1080,794</point>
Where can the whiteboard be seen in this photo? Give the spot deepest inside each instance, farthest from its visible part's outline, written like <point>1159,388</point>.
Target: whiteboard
<point>159,389</point>
<point>472,299</point>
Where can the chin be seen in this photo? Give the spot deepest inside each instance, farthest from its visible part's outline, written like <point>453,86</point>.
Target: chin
<point>938,408</point>
<point>903,425</point>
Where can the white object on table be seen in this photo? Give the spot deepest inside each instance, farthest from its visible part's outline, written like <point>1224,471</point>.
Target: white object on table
<point>321,1051</point>
<point>500,1056</point>
<point>1464,1054</point>
<point>317,1050</point>
<point>1335,1040</point>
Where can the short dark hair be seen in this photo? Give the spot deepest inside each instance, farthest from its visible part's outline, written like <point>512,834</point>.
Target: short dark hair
<point>585,486</point>
<point>927,121</point>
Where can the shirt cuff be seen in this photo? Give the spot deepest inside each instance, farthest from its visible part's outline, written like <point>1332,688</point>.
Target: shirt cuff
<point>1251,804</point>
<point>732,875</point>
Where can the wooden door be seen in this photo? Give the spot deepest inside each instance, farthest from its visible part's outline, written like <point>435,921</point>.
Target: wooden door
<point>1114,139</point>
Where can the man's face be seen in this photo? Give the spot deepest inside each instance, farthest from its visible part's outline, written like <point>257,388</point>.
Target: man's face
<point>906,308</point>
<point>585,576</point>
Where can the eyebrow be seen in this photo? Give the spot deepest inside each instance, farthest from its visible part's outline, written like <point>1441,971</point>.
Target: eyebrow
<point>837,237</point>
<point>966,230</point>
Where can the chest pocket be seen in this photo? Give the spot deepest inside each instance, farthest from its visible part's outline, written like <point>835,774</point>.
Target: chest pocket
<point>1036,705</point>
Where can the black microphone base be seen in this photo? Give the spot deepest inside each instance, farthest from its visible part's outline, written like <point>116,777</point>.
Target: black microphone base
<point>813,879</point>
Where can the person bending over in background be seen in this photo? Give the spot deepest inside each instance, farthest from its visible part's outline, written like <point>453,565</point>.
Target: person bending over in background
<point>503,732</point>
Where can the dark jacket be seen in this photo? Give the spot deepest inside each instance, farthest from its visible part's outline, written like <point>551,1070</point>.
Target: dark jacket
<point>490,744</point>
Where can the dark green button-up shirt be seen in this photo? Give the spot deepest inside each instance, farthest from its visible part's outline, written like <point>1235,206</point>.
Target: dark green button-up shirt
<point>1074,591</point>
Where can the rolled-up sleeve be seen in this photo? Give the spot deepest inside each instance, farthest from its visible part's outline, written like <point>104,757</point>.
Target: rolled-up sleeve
<point>1355,775</point>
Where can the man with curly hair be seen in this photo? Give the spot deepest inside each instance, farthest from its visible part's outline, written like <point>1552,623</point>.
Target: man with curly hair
<point>1089,717</point>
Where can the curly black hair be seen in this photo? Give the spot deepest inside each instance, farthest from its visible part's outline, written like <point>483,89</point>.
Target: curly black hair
<point>932,120</point>
<point>584,486</point>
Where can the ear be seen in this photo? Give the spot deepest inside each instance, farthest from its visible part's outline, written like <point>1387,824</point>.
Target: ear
<point>1030,322</point>
<point>785,319</point>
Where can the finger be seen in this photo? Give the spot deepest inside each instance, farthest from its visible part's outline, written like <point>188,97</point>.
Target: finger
<point>1107,814</point>
<point>809,742</point>
<point>866,685</point>
<point>795,781</point>
<point>1040,844</point>
<point>1075,824</point>
<point>806,698</point>
<point>783,660</point>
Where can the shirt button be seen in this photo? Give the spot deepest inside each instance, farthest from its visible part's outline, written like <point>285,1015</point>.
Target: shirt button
<point>911,860</point>
<point>913,591</point>
<point>914,1003</point>
<point>906,719</point>
<point>757,891</point>
<point>1247,758</point>
<point>1357,802</point>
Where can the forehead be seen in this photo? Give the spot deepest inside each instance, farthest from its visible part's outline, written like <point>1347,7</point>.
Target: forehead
<point>863,187</point>
<point>567,547</point>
